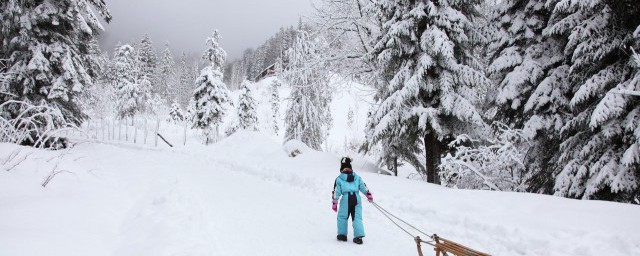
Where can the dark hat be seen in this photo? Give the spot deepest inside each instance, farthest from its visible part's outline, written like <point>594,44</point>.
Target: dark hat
<point>345,163</point>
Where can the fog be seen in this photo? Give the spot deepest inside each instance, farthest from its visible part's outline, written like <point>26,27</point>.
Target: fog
<point>185,24</point>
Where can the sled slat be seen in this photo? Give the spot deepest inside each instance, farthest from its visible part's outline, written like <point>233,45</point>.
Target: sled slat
<point>447,246</point>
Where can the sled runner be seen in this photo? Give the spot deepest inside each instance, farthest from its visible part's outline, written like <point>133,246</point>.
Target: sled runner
<point>446,247</point>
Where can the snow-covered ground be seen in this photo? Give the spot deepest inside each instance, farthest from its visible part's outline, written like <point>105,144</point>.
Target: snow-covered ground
<point>245,196</point>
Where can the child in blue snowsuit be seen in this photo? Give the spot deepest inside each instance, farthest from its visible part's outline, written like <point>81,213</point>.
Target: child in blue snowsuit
<point>347,186</point>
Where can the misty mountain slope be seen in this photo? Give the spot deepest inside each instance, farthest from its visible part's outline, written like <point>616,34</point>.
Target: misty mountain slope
<point>244,195</point>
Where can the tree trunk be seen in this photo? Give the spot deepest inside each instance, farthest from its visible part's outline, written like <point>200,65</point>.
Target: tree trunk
<point>433,150</point>
<point>395,166</point>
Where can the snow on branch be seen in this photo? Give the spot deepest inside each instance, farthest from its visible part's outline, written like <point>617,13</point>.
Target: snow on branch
<point>495,163</point>
<point>35,125</point>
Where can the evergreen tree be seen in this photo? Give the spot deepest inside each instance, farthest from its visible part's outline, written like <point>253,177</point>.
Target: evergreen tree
<point>147,62</point>
<point>531,76</point>
<point>427,69</point>
<point>185,81</point>
<point>166,75</point>
<point>49,52</point>
<point>599,151</point>
<point>274,100</point>
<point>147,56</point>
<point>129,95</point>
<point>211,95</point>
<point>247,113</point>
<point>308,117</point>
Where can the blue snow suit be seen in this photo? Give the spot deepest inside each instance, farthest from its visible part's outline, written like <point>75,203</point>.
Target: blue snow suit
<point>347,186</point>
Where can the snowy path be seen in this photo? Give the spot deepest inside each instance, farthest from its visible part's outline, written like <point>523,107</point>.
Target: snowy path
<point>244,196</point>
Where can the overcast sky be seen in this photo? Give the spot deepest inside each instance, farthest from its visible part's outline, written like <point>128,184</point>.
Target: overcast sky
<point>187,23</point>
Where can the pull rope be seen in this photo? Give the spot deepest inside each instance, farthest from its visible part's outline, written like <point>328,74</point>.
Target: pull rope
<point>390,215</point>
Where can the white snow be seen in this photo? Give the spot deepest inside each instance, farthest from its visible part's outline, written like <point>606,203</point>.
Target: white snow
<point>245,196</point>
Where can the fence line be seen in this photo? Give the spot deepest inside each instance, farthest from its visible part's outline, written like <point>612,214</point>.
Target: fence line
<point>108,129</point>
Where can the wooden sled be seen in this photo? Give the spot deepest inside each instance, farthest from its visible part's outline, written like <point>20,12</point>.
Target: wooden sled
<point>444,247</point>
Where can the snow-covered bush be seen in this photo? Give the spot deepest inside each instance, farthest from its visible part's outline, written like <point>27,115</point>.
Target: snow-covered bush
<point>496,163</point>
<point>175,113</point>
<point>35,125</point>
<point>295,148</point>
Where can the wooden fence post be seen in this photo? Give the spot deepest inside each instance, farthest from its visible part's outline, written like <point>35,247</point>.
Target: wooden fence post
<point>155,134</point>
<point>145,131</point>
<point>126,131</point>
<point>135,131</point>
<point>113,129</point>
<point>102,127</point>
<point>184,134</point>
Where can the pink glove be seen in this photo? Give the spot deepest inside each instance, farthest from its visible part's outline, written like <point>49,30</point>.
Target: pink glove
<point>334,205</point>
<point>370,197</point>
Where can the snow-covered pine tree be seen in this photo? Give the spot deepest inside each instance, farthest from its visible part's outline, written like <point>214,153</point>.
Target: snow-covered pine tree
<point>308,118</point>
<point>426,69</point>
<point>274,100</point>
<point>531,83</point>
<point>147,57</point>
<point>147,65</point>
<point>247,112</point>
<point>184,83</point>
<point>47,50</point>
<point>166,75</point>
<point>599,152</point>
<point>149,99</point>
<point>211,95</point>
<point>128,93</point>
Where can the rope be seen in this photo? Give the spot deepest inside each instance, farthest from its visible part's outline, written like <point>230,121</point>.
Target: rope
<point>389,215</point>
<point>392,221</point>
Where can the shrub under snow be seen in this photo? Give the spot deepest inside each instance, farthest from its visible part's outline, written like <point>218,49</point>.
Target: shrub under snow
<point>496,163</point>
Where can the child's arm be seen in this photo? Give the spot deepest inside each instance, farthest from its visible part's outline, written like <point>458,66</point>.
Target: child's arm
<point>337,190</point>
<point>362,186</point>
<point>365,190</point>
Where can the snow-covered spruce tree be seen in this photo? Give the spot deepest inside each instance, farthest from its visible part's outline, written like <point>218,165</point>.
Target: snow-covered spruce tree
<point>426,70</point>
<point>274,100</point>
<point>211,95</point>
<point>147,64</point>
<point>308,117</point>
<point>599,153</point>
<point>247,113</point>
<point>147,58</point>
<point>529,70</point>
<point>167,75</point>
<point>184,83</point>
<point>48,53</point>
<point>129,96</point>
